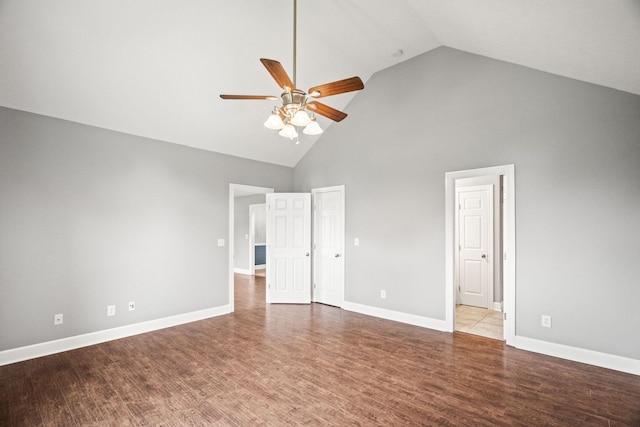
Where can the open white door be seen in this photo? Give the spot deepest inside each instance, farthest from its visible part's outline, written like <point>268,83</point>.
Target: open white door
<point>475,245</point>
<point>289,248</point>
<point>328,245</point>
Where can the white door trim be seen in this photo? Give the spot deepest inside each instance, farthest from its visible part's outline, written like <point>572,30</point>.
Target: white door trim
<point>314,191</point>
<point>509,248</point>
<point>233,190</point>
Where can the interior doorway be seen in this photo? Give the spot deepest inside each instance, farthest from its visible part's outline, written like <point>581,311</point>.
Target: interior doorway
<point>477,264</point>
<point>333,229</point>
<point>238,190</point>
<point>502,254</point>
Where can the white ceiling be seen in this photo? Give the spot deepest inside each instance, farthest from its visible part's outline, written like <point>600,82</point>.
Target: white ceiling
<point>155,68</point>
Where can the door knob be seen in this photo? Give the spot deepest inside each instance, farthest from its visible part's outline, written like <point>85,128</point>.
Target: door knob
<point>307,254</point>
<point>337,255</point>
<point>484,256</point>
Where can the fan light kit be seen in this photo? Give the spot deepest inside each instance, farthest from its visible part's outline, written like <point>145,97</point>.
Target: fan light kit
<point>298,110</point>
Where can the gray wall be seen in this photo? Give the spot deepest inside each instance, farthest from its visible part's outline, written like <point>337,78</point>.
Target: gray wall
<point>576,149</point>
<point>260,224</point>
<point>241,229</point>
<point>91,217</point>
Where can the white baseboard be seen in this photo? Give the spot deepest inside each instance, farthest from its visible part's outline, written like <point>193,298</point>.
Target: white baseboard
<point>50,347</point>
<point>383,313</point>
<point>261,267</point>
<point>241,271</point>
<point>497,306</point>
<point>603,360</point>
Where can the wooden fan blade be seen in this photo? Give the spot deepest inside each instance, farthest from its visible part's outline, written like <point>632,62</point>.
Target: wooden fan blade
<point>325,110</point>
<point>268,97</point>
<point>335,88</point>
<point>278,73</point>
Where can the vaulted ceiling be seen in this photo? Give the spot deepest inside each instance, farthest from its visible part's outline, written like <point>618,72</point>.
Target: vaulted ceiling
<point>154,68</point>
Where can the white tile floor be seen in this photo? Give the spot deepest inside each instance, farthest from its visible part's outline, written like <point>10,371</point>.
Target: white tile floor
<point>479,321</point>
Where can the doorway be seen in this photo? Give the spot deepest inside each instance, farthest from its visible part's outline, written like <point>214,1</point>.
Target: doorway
<point>503,254</point>
<point>238,190</point>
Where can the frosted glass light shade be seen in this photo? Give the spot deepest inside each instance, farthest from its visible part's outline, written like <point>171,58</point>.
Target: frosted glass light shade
<point>301,118</point>
<point>312,128</point>
<point>274,122</point>
<point>288,131</point>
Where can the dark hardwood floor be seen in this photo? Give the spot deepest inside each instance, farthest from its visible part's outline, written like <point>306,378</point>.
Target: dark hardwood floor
<point>311,365</point>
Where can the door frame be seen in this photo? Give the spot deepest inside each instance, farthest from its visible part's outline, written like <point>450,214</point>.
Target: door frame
<point>314,191</point>
<point>236,190</point>
<point>490,235</point>
<point>509,246</point>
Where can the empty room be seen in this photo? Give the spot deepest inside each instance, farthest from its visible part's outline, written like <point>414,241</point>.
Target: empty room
<point>299,212</point>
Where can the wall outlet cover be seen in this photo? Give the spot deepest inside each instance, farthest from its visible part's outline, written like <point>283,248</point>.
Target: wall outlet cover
<point>545,321</point>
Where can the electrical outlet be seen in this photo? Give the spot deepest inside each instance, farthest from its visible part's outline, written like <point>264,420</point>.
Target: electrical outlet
<point>356,242</point>
<point>57,319</point>
<point>111,310</point>
<point>545,321</point>
<point>132,305</point>
<point>383,294</point>
<point>220,242</point>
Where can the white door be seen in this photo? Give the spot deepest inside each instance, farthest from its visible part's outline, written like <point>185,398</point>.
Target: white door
<point>475,244</point>
<point>289,248</point>
<point>328,245</point>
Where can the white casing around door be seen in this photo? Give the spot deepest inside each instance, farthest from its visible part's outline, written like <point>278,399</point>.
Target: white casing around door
<point>289,248</point>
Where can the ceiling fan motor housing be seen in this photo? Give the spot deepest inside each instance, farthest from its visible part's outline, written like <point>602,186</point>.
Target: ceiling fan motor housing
<point>293,100</point>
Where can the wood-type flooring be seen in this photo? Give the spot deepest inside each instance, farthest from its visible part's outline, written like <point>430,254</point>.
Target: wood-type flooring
<point>294,365</point>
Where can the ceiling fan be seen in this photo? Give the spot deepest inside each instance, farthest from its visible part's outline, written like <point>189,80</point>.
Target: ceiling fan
<point>296,102</point>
